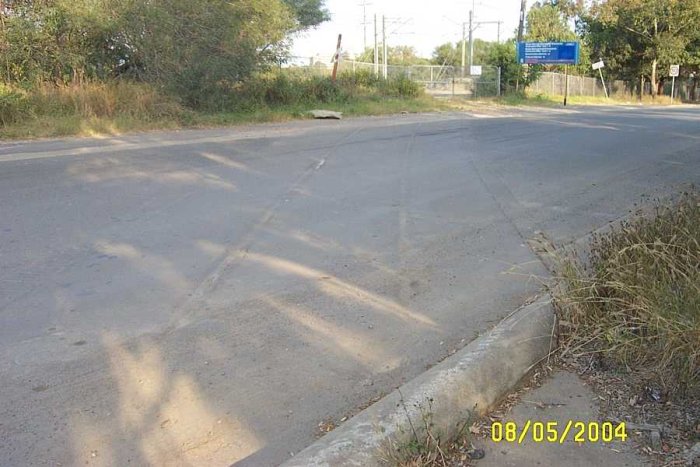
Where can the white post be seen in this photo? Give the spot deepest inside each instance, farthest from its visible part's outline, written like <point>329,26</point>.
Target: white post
<point>376,48</point>
<point>464,47</point>
<point>471,42</point>
<point>603,81</point>
<point>498,84</point>
<point>386,65</point>
<point>673,87</point>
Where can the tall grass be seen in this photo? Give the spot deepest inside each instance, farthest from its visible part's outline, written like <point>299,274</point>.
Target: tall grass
<point>88,100</point>
<point>531,97</point>
<point>636,301</point>
<point>50,110</point>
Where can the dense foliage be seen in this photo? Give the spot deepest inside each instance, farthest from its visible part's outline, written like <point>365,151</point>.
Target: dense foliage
<point>642,38</point>
<point>190,47</point>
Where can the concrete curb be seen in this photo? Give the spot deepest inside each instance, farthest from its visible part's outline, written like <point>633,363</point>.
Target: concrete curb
<point>470,381</point>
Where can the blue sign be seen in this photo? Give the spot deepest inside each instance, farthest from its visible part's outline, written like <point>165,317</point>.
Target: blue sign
<point>548,53</point>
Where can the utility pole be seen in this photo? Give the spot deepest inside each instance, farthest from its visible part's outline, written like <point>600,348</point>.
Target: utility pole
<point>471,41</point>
<point>336,58</point>
<point>464,47</point>
<point>521,31</point>
<point>376,48</point>
<point>521,25</point>
<point>386,52</point>
<point>364,6</point>
<point>498,34</point>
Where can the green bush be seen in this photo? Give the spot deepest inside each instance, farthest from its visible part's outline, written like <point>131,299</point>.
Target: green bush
<point>365,79</point>
<point>14,107</point>
<point>324,90</point>
<point>401,86</point>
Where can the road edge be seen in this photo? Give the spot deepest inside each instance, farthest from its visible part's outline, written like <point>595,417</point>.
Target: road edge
<point>450,393</point>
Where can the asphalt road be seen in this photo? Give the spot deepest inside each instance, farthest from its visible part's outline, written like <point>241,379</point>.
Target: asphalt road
<point>221,296</point>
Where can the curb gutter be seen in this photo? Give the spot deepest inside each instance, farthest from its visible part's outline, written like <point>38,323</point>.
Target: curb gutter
<point>464,384</point>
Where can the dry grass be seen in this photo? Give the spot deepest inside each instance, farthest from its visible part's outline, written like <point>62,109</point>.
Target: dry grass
<point>636,300</point>
<point>112,108</point>
<point>532,98</point>
<point>99,100</point>
<point>421,446</point>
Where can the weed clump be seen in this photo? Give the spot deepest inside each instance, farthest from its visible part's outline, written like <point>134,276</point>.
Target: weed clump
<point>635,302</point>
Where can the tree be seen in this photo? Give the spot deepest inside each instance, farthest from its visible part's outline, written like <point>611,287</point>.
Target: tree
<point>451,54</point>
<point>551,21</point>
<point>447,54</point>
<point>504,56</point>
<point>401,55</point>
<point>547,23</point>
<point>308,13</point>
<point>189,47</point>
<point>638,37</point>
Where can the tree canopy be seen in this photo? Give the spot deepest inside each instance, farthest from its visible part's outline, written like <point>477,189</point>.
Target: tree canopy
<point>188,46</point>
<point>403,55</point>
<point>451,54</point>
<point>642,38</point>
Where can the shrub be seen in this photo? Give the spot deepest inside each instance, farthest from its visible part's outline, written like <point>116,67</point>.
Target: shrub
<point>637,302</point>
<point>14,107</point>
<point>362,78</point>
<point>323,89</point>
<point>401,86</point>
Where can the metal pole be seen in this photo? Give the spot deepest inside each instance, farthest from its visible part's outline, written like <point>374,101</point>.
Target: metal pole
<point>464,47</point>
<point>376,48</point>
<point>521,31</point>
<point>603,81</point>
<point>364,23</point>
<point>566,83</point>
<point>498,87</point>
<point>673,86</point>
<point>386,65</point>
<point>471,42</point>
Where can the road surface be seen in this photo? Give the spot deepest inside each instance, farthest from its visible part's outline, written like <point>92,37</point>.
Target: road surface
<point>221,296</point>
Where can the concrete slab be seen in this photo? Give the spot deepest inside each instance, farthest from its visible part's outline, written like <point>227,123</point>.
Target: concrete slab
<point>561,398</point>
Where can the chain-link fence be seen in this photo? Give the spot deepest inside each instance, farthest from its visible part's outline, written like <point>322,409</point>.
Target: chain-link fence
<point>438,80</point>
<point>555,84</point>
<point>685,89</point>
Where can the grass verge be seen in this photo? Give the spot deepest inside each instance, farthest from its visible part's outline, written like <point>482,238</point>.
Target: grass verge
<point>549,100</point>
<point>111,108</point>
<point>635,301</point>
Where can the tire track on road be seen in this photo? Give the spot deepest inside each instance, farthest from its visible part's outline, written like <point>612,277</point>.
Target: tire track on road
<point>237,252</point>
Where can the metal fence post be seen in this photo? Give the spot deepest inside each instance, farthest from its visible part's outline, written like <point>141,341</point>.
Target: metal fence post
<point>498,83</point>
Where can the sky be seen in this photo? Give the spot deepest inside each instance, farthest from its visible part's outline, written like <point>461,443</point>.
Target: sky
<point>421,24</point>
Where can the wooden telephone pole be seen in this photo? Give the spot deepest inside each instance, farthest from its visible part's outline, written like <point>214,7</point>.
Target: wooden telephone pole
<point>521,32</point>
<point>336,59</point>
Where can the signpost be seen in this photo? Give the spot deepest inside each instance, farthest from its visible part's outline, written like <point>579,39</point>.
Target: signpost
<point>550,53</point>
<point>673,73</point>
<point>599,65</point>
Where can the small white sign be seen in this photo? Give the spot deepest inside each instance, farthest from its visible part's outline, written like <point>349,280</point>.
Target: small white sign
<point>675,71</point>
<point>475,70</point>
<point>598,65</point>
